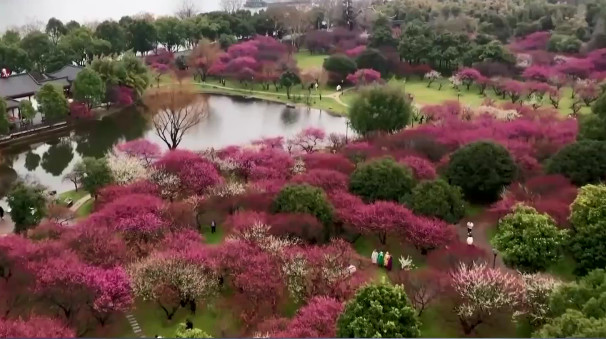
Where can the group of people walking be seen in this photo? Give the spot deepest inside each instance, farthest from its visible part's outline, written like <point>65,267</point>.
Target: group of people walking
<point>383,260</point>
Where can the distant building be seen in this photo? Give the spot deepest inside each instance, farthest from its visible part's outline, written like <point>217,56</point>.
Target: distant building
<point>17,87</point>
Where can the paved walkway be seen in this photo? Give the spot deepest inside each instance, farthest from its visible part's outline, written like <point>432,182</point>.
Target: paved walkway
<point>134,325</point>
<point>80,202</point>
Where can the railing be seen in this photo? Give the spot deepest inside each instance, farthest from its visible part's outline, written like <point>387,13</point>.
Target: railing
<point>30,129</point>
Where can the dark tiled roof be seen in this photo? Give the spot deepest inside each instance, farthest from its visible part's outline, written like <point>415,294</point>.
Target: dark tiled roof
<point>10,104</point>
<point>62,82</point>
<point>68,71</point>
<point>16,86</point>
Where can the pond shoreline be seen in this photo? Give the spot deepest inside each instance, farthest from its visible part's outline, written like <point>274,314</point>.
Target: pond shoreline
<point>54,131</point>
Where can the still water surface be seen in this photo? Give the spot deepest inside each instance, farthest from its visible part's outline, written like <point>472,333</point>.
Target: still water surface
<point>230,121</point>
<point>21,12</point>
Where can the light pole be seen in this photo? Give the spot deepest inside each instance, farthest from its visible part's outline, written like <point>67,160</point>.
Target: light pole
<point>494,257</point>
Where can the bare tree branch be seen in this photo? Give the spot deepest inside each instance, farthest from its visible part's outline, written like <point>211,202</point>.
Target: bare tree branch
<point>175,109</point>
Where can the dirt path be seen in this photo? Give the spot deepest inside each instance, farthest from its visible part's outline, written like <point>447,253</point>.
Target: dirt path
<point>481,237</point>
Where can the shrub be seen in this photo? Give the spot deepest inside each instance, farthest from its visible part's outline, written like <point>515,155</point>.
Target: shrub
<point>588,220</point>
<point>339,66</point>
<point>529,240</point>
<point>373,59</point>
<point>303,199</point>
<point>380,109</point>
<point>381,179</point>
<point>482,169</point>
<point>379,311</point>
<point>582,162</point>
<point>438,199</point>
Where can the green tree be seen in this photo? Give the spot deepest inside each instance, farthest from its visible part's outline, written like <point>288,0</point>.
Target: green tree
<point>339,66</point>
<point>183,332</point>
<point>415,43</point>
<point>381,179</point>
<point>373,59</point>
<point>4,124</point>
<point>528,240</point>
<point>28,205</point>
<point>577,309</point>
<point>381,33</point>
<point>55,29</point>
<point>437,199</point>
<point>114,33</point>
<point>482,169</point>
<point>52,102</point>
<point>11,37</point>
<point>593,126</point>
<point>380,109</point>
<point>289,79</point>
<point>13,57</point>
<point>36,45</point>
<point>88,87</point>
<point>226,40</point>
<point>303,199</point>
<point>72,25</point>
<point>573,324</point>
<point>170,32</point>
<point>143,36</point>
<point>588,220</point>
<point>96,175</point>
<point>583,162</point>
<point>133,73</point>
<point>27,110</point>
<point>379,311</point>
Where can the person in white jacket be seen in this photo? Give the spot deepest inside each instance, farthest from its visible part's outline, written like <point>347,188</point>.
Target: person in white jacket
<point>374,256</point>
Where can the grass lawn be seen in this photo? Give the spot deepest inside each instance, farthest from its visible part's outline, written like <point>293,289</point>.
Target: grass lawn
<point>216,318</point>
<point>327,104</point>
<point>85,209</point>
<point>73,195</point>
<point>306,60</point>
<point>364,246</point>
<point>437,321</point>
<point>213,238</point>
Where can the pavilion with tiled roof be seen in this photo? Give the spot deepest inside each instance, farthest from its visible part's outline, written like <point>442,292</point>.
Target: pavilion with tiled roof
<point>26,85</point>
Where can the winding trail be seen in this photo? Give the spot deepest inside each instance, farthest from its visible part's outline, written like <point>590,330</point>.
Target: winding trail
<point>80,202</point>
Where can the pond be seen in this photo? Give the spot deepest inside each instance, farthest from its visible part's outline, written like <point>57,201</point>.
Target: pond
<point>231,121</point>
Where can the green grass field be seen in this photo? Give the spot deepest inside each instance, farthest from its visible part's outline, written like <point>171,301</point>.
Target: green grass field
<point>305,60</point>
<point>86,209</point>
<point>73,195</point>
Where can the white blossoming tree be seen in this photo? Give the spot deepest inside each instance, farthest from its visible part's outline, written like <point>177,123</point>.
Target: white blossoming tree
<point>538,288</point>
<point>126,169</point>
<point>481,292</point>
<point>431,77</point>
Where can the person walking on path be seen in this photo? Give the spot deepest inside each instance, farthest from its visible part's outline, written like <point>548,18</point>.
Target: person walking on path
<point>469,228</point>
<point>213,226</point>
<point>374,256</point>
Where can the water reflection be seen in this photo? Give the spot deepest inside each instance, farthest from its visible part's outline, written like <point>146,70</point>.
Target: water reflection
<point>32,160</point>
<point>57,157</point>
<point>230,122</point>
<point>289,116</point>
